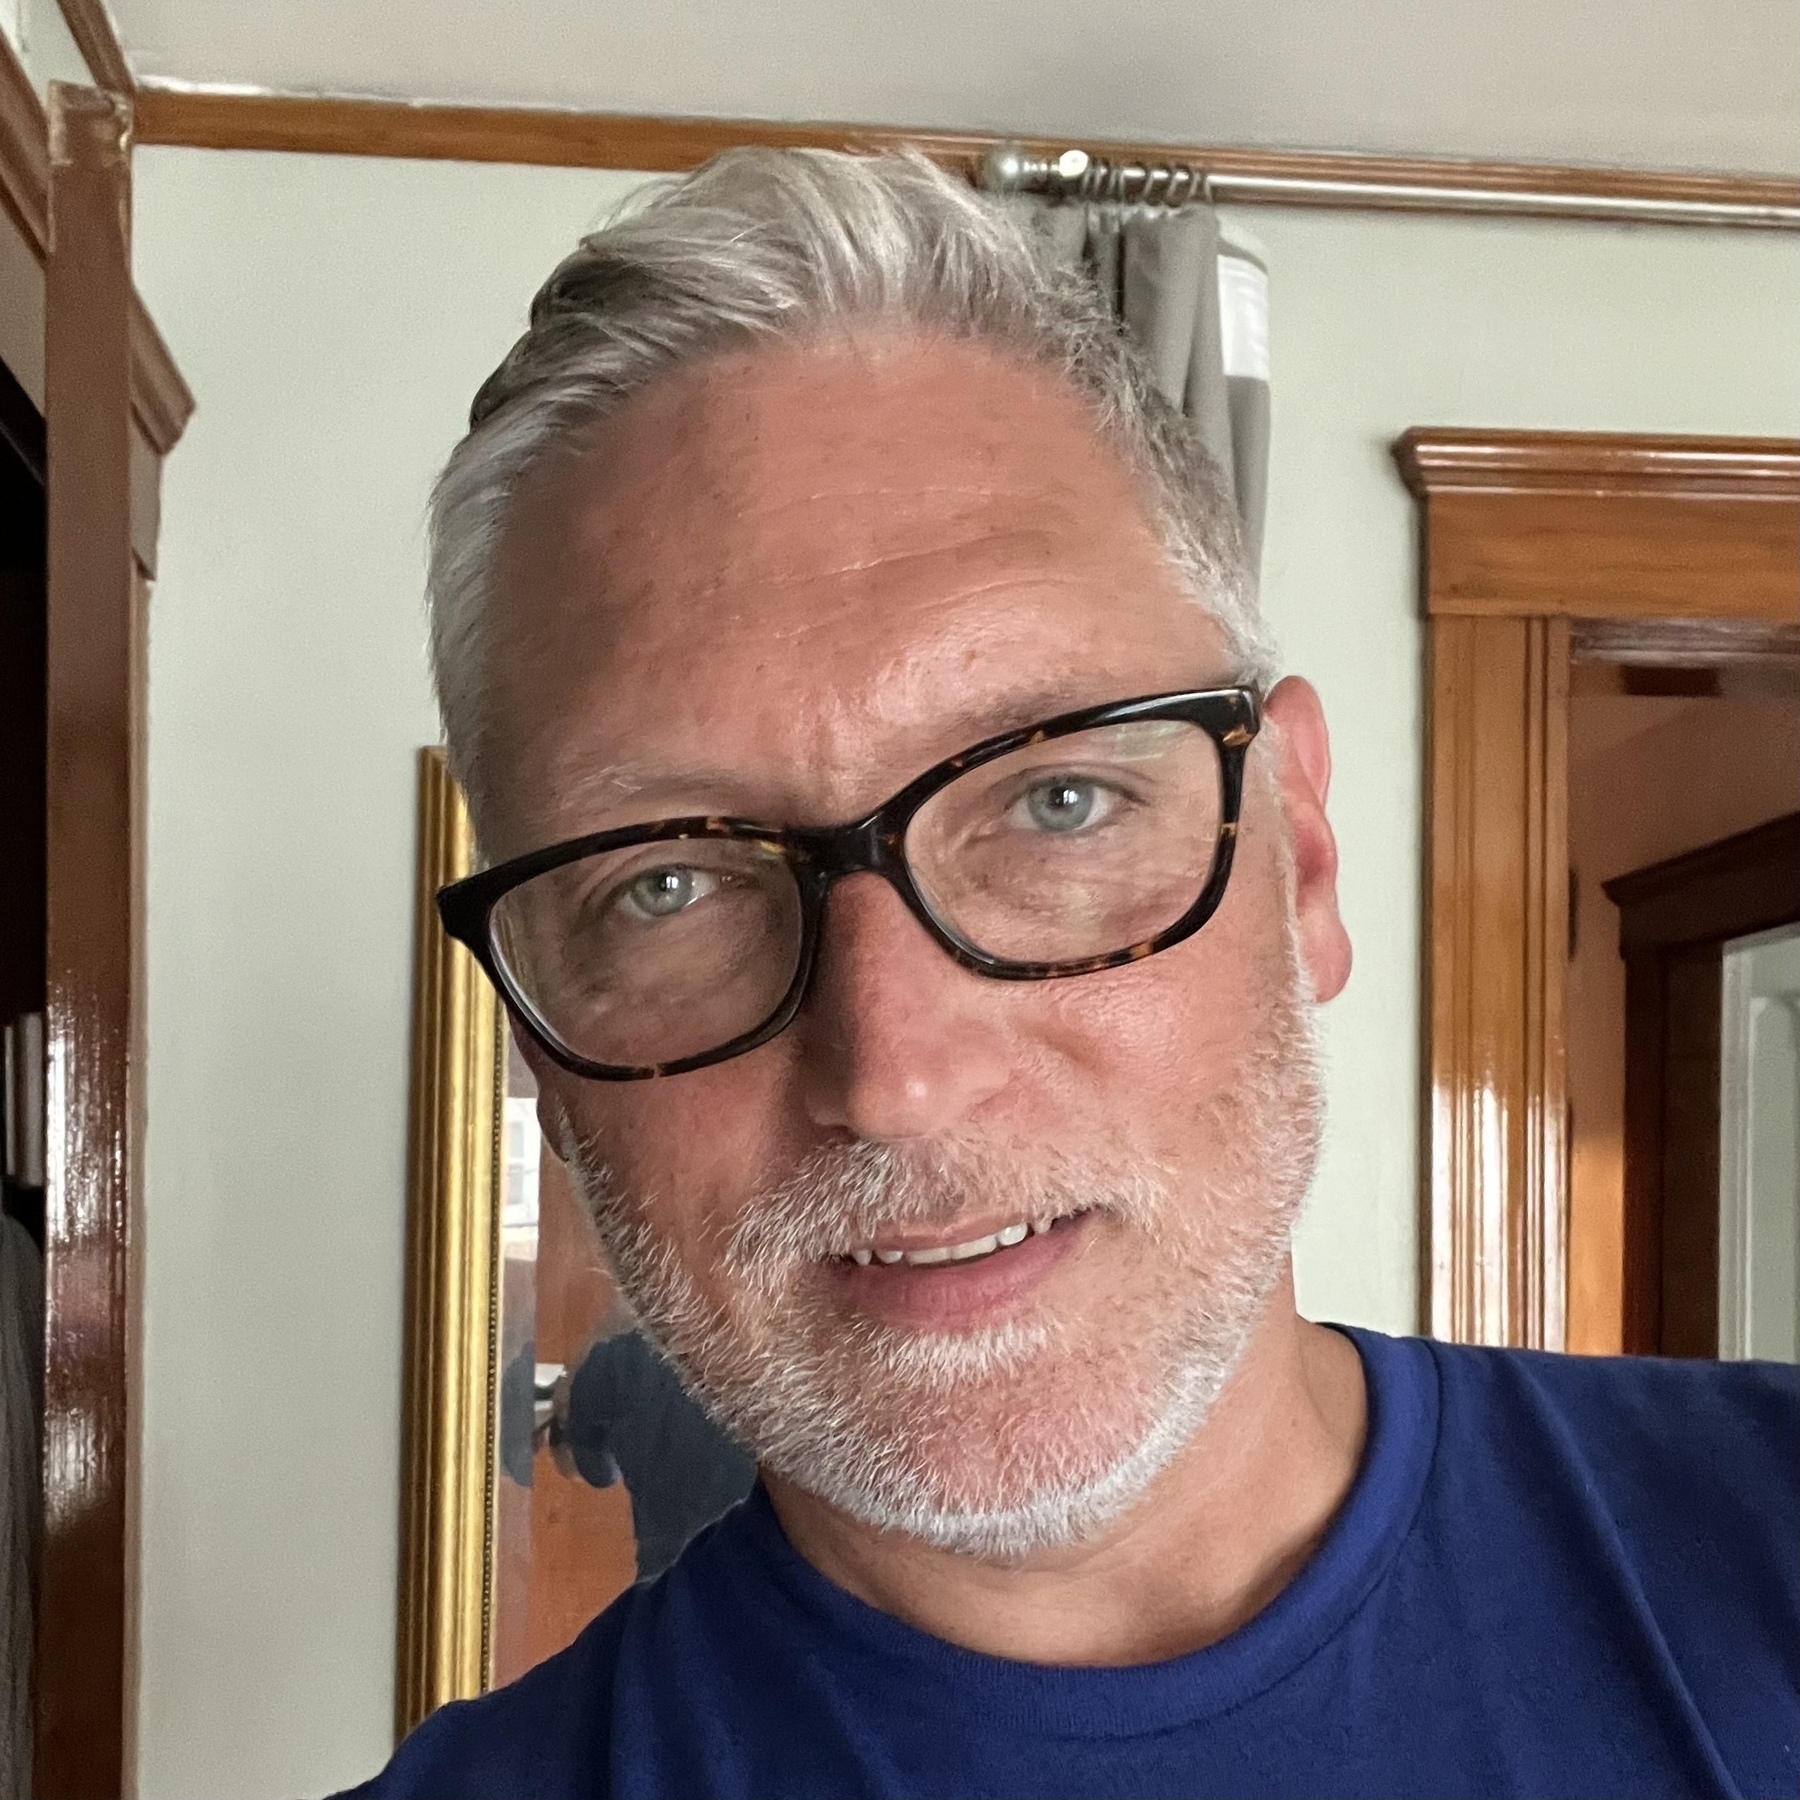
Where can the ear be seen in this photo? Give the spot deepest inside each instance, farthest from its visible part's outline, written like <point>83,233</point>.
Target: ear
<point>1303,777</point>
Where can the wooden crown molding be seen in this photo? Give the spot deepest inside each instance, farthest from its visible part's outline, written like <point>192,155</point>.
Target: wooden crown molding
<point>97,38</point>
<point>1600,525</point>
<point>365,127</point>
<point>160,400</point>
<point>1438,461</point>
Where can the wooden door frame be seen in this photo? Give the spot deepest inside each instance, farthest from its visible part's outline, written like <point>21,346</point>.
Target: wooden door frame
<point>1693,903</point>
<point>114,405</point>
<point>1539,550</point>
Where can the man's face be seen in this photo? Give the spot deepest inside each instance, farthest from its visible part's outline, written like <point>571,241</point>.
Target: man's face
<point>778,587</point>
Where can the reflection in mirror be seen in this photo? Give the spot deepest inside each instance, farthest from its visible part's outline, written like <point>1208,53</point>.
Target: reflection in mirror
<point>552,1456</point>
<point>605,1468</point>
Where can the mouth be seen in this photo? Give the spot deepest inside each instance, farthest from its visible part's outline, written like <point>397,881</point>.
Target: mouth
<point>961,1284</point>
<point>974,1249</point>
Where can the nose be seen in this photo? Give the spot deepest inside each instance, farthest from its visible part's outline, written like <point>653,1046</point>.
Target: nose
<point>899,1041</point>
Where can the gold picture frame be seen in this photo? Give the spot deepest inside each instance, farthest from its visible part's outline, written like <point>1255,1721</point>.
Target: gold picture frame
<point>452,1287</point>
<point>532,1480</point>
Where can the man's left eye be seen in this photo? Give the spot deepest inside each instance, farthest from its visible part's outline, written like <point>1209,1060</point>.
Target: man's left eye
<point>1065,804</point>
<point>661,893</point>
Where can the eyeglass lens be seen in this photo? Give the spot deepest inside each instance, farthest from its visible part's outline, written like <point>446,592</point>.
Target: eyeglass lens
<point>1064,850</point>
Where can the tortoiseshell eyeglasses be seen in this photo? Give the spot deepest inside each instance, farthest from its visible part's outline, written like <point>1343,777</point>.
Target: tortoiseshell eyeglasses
<point>1093,839</point>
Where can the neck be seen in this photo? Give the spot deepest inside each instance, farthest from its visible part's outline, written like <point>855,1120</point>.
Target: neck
<point>1219,1533</point>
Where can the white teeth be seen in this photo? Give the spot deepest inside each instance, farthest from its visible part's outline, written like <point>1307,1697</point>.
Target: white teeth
<point>1003,1239</point>
<point>1040,1226</point>
<point>975,1247</point>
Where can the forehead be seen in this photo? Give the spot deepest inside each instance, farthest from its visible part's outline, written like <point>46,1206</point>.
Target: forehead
<point>817,562</point>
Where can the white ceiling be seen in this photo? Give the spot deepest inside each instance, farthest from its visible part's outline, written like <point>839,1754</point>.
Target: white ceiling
<point>1711,84</point>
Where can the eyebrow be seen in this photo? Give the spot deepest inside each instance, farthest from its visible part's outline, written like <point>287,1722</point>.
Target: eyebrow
<point>744,794</point>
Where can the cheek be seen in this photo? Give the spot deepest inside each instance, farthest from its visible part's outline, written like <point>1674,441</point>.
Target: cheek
<point>695,1144</point>
<point>1159,1040</point>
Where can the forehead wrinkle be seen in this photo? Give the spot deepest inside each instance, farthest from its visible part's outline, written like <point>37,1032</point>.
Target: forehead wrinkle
<point>903,562</point>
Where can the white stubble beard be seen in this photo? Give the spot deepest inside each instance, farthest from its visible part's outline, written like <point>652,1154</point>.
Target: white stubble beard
<point>1010,1438</point>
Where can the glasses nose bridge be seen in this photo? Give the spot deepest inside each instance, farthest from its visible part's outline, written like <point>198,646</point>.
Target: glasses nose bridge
<point>871,846</point>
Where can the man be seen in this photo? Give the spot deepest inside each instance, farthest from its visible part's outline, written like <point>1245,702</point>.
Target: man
<point>914,897</point>
<point>623,1415</point>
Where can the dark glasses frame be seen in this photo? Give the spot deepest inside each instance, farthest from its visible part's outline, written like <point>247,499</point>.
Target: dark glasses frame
<point>819,856</point>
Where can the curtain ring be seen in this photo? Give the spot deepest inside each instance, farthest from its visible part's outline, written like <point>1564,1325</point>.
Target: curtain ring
<point>1156,185</point>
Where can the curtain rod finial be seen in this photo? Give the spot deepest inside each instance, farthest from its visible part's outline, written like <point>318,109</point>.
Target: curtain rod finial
<point>1012,169</point>
<point>1004,169</point>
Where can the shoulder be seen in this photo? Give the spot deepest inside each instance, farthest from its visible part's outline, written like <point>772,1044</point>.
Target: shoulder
<point>543,1737</point>
<point>1634,1417</point>
<point>1684,1471</point>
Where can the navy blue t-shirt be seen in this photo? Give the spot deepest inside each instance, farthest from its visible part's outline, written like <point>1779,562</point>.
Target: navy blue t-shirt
<point>1553,1576</point>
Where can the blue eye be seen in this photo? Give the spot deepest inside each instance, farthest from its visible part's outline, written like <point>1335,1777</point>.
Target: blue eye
<point>661,893</point>
<point>1063,804</point>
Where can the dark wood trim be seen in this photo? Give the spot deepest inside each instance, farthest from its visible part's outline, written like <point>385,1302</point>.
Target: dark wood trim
<point>593,140</point>
<point>1674,919</point>
<point>1605,526</point>
<point>21,425</point>
<point>94,957</point>
<point>1539,548</point>
<point>161,400</point>
<point>1640,1287</point>
<point>1740,885</point>
<point>96,37</point>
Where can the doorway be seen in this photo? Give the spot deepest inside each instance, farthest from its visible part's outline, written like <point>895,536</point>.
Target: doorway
<point>1664,564</point>
<point>1660,783</point>
<point>23,791</point>
<point>1652,1055</point>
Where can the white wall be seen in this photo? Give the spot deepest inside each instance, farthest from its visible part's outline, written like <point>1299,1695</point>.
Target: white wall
<point>40,37</point>
<point>333,316</point>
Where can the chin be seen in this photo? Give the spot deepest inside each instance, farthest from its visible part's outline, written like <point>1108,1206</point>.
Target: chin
<point>998,1444</point>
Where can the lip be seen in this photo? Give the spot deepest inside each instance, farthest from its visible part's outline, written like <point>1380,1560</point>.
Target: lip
<point>943,1295</point>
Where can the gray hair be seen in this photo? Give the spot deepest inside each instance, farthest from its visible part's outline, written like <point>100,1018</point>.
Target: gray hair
<point>776,244</point>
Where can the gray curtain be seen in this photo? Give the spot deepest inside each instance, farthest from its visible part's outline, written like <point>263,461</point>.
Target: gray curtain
<point>1196,304</point>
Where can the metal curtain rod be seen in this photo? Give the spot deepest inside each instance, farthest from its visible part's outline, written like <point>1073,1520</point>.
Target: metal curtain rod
<point>1080,175</point>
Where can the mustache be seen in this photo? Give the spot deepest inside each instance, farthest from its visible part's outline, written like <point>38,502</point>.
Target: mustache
<point>841,1197</point>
